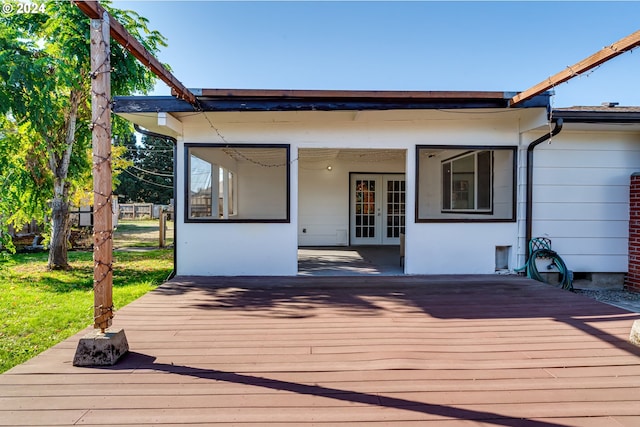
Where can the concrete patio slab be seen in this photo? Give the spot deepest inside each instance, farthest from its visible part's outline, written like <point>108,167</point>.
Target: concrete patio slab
<point>350,261</point>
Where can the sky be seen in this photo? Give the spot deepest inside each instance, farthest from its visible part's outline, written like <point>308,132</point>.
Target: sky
<point>415,45</point>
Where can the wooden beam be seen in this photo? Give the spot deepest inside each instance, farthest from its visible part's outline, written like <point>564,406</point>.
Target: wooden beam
<point>94,10</point>
<point>605,54</point>
<point>102,190</point>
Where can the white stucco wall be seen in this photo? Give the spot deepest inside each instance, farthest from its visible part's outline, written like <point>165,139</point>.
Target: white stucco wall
<point>320,198</point>
<point>460,248</point>
<point>457,248</point>
<point>233,249</point>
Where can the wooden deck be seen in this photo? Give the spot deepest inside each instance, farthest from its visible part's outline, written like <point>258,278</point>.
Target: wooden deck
<point>346,351</point>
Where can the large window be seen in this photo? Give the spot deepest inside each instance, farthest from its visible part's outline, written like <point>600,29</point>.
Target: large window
<point>245,183</point>
<point>465,183</point>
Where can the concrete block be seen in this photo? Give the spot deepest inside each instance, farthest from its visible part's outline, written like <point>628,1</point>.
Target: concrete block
<point>598,281</point>
<point>101,349</point>
<point>634,337</point>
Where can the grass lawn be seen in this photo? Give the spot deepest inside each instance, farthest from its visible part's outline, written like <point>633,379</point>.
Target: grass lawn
<point>140,233</point>
<point>39,308</point>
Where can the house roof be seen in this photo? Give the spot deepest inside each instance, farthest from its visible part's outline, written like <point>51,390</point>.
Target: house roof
<point>606,113</point>
<point>322,100</point>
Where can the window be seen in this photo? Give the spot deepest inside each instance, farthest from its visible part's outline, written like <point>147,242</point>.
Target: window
<point>465,183</point>
<point>204,192</point>
<point>245,183</point>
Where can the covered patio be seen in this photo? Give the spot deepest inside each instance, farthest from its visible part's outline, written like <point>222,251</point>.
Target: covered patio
<point>335,351</point>
<point>375,260</point>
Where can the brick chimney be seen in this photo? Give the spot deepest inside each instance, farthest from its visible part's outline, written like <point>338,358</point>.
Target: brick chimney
<point>632,281</point>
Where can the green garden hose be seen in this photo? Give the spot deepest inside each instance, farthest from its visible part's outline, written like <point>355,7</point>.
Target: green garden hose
<point>566,276</point>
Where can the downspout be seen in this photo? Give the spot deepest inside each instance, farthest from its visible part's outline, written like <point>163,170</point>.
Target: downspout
<point>529,215</point>
<point>175,193</point>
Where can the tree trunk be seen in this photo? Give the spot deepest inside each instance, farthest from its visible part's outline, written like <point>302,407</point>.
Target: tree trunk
<point>58,259</point>
<point>59,165</point>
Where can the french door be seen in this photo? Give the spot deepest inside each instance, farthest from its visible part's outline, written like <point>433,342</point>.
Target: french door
<point>377,209</point>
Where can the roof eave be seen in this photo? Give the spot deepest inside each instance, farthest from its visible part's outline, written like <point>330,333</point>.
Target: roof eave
<point>221,100</point>
<point>597,116</point>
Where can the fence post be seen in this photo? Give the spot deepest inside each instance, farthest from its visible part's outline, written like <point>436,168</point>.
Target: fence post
<point>163,228</point>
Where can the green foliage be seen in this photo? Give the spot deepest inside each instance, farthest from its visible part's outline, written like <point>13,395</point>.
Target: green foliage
<point>24,179</point>
<point>45,103</point>
<point>149,177</point>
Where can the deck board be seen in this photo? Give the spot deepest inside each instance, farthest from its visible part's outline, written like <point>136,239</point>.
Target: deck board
<point>393,351</point>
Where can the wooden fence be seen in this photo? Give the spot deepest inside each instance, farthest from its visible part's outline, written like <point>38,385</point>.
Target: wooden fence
<point>136,210</point>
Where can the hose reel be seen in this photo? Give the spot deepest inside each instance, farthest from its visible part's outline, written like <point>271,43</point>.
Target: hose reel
<point>540,249</point>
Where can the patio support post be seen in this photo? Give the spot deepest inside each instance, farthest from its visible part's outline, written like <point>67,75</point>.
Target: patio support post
<point>101,141</point>
<point>101,347</point>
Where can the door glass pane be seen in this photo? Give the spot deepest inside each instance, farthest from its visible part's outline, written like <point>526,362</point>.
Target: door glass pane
<point>446,186</point>
<point>395,208</point>
<point>365,207</point>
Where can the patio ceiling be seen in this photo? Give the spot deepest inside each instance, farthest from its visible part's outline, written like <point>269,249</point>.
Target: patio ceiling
<point>319,155</point>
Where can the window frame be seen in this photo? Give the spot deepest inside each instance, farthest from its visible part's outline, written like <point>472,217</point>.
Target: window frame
<point>476,187</point>
<point>472,215</point>
<point>233,218</point>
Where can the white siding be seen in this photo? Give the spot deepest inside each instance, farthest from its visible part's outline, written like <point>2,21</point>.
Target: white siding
<point>581,191</point>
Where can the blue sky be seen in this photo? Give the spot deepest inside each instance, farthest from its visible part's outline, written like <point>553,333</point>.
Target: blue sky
<point>417,45</point>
